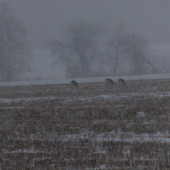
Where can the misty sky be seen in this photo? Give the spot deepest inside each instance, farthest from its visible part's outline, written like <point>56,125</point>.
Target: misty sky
<point>46,19</point>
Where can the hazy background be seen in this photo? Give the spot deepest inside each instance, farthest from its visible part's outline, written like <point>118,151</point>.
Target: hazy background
<point>47,18</point>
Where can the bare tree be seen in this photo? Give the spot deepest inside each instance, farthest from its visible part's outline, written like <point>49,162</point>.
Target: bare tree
<point>136,49</point>
<point>115,46</point>
<point>129,47</point>
<point>14,51</point>
<point>79,49</point>
<point>62,54</point>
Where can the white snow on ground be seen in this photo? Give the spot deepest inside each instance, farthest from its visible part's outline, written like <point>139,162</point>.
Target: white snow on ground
<point>97,138</point>
<point>113,136</point>
<point>42,67</point>
<point>87,80</point>
<point>109,136</point>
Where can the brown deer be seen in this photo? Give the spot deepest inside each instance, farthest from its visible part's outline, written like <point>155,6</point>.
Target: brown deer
<point>74,83</point>
<point>109,81</point>
<point>121,81</point>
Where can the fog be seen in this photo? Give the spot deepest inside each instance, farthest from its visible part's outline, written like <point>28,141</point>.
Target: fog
<point>47,18</point>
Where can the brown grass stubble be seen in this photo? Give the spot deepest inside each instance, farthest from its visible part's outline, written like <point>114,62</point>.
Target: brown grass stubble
<point>38,135</point>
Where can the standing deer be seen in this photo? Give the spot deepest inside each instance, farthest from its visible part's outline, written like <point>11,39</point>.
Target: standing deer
<point>74,83</point>
<point>109,81</point>
<point>121,81</point>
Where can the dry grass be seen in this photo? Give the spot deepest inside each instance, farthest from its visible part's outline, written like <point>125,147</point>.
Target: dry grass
<point>58,127</point>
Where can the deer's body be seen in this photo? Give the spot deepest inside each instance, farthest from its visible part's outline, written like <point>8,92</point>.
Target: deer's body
<point>109,81</point>
<point>74,83</point>
<point>121,81</point>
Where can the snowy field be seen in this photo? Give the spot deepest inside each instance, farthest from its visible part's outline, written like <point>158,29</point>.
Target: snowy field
<point>45,123</point>
<point>55,126</point>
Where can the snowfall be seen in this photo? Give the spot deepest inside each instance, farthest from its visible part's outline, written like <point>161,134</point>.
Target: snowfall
<point>44,71</point>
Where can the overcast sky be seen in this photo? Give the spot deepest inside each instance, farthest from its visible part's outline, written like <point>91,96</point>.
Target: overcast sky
<point>46,18</point>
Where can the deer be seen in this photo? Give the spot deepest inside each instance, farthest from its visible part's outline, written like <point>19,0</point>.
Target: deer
<point>109,81</point>
<point>121,81</point>
<point>74,83</point>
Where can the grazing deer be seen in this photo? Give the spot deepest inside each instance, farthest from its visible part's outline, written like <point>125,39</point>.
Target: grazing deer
<point>109,81</point>
<point>74,83</point>
<point>121,81</point>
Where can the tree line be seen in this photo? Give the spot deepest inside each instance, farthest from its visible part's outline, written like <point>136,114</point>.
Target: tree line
<point>124,53</point>
<point>14,49</point>
<point>80,51</point>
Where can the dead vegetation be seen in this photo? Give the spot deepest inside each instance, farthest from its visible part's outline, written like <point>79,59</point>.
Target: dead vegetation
<point>54,127</point>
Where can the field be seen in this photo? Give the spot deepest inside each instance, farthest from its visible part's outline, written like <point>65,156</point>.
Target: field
<point>94,127</point>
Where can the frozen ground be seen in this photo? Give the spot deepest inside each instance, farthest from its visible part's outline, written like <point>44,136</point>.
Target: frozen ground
<point>55,126</point>
<point>87,80</point>
<point>48,124</point>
